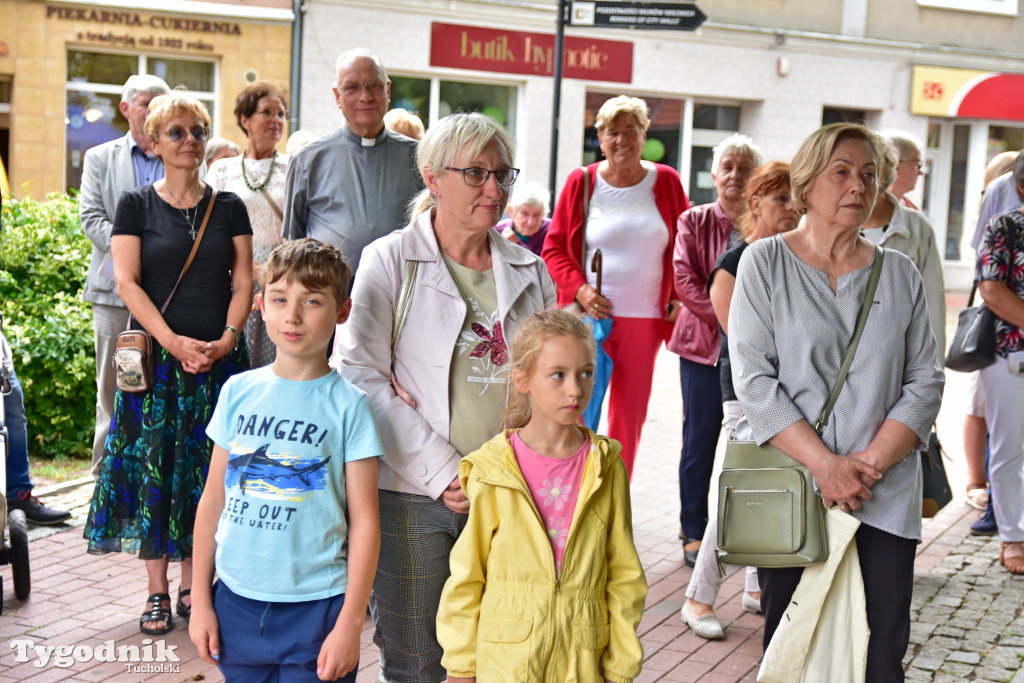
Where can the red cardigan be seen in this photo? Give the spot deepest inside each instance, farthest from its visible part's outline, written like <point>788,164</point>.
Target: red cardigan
<point>564,241</point>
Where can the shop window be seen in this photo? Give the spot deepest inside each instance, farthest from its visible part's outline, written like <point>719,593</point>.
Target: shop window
<point>1004,139</point>
<point>93,94</point>
<point>716,117</point>
<point>1007,7</point>
<point>411,94</point>
<point>957,189</point>
<point>416,95</point>
<point>831,115</point>
<point>94,67</point>
<point>496,101</point>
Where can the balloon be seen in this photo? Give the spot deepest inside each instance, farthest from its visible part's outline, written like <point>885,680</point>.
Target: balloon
<point>654,150</point>
<point>496,113</point>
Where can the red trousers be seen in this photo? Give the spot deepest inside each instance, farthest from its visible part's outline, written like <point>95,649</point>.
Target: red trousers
<point>632,345</point>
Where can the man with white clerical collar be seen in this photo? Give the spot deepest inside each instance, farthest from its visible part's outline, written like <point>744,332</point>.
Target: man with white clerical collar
<point>353,185</point>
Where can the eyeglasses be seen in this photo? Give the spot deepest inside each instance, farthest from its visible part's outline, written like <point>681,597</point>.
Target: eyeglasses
<point>279,114</point>
<point>177,134</point>
<point>918,164</point>
<point>475,176</point>
<point>372,88</point>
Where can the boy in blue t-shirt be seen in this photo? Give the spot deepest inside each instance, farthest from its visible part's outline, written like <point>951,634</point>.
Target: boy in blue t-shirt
<point>289,514</point>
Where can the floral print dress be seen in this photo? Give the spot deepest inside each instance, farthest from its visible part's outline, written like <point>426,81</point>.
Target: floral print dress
<point>1001,257</point>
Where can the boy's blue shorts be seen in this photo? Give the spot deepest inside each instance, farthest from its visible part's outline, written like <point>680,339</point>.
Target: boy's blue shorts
<point>273,641</point>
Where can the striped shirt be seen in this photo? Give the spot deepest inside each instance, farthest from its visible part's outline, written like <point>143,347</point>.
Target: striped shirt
<point>788,334</point>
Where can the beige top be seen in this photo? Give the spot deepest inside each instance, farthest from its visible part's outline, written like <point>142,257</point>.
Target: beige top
<point>478,380</point>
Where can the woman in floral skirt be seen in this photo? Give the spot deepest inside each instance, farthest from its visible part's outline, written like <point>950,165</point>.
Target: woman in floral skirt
<point>157,454</point>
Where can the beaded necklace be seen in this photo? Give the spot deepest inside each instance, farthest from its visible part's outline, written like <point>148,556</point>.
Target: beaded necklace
<point>270,172</point>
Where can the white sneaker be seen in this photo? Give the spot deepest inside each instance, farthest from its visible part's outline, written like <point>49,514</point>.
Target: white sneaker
<point>750,604</point>
<point>707,626</point>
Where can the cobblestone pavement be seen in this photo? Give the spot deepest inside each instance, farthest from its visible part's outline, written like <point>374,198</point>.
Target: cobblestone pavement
<point>967,620</point>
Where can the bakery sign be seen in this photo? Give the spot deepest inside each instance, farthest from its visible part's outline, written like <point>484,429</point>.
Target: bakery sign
<point>967,93</point>
<point>111,22</point>
<point>532,54</point>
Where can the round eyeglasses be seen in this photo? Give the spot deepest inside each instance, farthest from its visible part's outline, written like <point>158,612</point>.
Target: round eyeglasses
<point>177,133</point>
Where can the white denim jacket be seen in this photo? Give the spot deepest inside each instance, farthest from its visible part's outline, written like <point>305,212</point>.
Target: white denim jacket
<point>418,457</point>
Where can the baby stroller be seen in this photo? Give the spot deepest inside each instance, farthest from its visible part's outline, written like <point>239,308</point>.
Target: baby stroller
<point>13,526</point>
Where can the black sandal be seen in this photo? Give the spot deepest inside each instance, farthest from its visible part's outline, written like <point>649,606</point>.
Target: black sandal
<point>183,610</point>
<point>157,612</point>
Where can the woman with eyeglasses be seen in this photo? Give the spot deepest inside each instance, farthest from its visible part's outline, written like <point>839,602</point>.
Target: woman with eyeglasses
<point>436,369</point>
<point>628,210</point>
<point>257,176</point>
<point>157,453</point>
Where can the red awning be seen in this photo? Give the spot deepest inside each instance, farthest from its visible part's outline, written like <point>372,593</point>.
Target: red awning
<point>995,96</point>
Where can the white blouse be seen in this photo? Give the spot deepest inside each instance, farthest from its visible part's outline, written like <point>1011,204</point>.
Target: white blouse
<point>226,175</point>
<point>625,224</point>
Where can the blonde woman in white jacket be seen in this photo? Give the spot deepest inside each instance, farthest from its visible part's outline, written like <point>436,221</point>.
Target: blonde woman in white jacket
<point>470,287</point>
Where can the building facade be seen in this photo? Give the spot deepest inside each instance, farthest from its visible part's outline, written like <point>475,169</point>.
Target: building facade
<point>63,65</point>
<point>771,69</point>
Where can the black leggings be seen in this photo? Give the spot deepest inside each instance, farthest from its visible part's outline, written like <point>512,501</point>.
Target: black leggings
<point>887,565</point>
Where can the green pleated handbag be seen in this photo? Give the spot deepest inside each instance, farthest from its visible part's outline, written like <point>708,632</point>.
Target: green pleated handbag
<point>768,513</point>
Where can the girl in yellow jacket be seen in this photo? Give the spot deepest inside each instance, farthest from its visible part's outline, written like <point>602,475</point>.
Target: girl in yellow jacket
<point>546,584</point>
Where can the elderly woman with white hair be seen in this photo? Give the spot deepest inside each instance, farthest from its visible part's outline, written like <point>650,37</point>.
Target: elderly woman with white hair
<point>704,233</point>
<point>910,164</point>
<point>436,374</point>
<point>527,226</point>
<point>627,208</point>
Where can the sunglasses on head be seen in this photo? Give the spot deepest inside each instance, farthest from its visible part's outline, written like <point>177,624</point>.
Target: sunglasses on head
<point>177,134</point>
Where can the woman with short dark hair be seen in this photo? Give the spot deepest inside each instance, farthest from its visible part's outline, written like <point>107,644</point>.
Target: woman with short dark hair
<point>258,177</point>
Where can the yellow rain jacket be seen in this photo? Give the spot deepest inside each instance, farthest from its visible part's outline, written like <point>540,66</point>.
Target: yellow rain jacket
<point>505,615</point>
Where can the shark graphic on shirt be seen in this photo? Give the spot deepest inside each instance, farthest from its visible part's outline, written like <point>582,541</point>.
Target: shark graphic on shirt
<point>259,467</point>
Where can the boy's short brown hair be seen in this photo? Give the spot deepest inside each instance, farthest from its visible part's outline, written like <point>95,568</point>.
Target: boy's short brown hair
<point>311,263</point>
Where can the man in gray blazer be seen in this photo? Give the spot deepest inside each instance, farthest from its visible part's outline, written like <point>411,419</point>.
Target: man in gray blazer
<point>107,171</point>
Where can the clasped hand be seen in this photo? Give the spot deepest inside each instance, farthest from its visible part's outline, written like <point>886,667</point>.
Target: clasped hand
<point>846,481</point>
<point>198,356</point>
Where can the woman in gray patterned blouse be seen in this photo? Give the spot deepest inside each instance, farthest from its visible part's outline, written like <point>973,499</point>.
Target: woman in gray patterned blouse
<point>793,314</point>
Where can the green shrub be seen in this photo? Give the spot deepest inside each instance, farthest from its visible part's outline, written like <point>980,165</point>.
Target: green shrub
<point>43,261</point>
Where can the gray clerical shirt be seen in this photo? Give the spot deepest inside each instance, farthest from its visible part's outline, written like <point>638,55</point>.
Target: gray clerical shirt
<point>347,191</point>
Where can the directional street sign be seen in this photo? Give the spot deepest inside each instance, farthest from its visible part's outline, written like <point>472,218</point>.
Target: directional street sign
<point>672,16</point>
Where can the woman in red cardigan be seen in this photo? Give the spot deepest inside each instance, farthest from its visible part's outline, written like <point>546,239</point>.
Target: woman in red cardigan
<point>631,217</point>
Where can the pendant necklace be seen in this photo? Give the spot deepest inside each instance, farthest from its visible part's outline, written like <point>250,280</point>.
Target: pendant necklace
<point>270,172</point>
<point>184,212</point>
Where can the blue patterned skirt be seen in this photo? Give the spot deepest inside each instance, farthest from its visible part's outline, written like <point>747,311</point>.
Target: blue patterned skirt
<point>155,461</point>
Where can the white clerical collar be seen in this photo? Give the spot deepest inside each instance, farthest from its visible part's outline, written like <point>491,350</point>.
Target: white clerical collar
<point>366,142</point>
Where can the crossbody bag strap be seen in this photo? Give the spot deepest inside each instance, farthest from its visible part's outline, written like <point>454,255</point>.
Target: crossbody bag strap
<point>273,204</point>
<point>586,210</point>
<point>862,318</point>
<point>402,305</point>
<point>195,248</point>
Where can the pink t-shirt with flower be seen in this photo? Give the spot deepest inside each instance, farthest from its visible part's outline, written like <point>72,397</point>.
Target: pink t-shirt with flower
<point>555,486</point>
